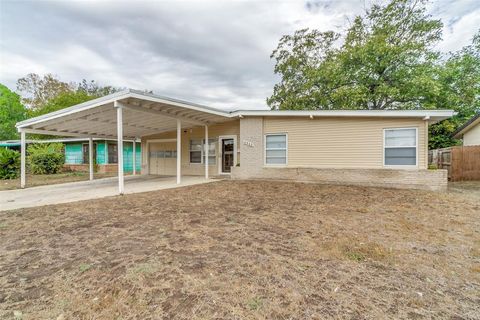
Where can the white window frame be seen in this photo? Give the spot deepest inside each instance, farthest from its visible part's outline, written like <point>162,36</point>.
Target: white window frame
<point>401,166</point>
<point>202,162</point>
<point>265,150</point>
<point>190,151</point>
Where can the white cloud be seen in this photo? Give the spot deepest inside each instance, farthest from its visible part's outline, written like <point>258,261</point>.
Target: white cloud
<point>215,53</point>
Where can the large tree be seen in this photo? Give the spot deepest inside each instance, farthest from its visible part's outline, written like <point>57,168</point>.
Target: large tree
<point>384,60</point>
<point>11,111</point>
<point>36,91</point>
<point>48,93</point>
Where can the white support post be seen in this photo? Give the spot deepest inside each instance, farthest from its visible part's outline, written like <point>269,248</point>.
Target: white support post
<point>120,146</point>
<point>134,162</point>
<point>206,147</point>
<point>23,154</point>
<point>179,151</point>
<point>90,157</point>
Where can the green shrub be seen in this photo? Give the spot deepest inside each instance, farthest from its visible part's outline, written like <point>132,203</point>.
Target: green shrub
<point>9,164</point>
<point>45,158</point>
<point>432,167</point>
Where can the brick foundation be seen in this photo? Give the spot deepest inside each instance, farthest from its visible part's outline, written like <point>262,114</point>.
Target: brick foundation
<point>434,180</point>
<point>101,168</point>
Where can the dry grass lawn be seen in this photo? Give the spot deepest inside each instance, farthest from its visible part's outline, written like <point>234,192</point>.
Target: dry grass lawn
<point>245,250</point>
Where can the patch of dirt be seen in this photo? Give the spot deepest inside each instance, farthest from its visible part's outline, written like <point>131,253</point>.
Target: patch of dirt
<point>467,188</point>
<point>34,180</point>
<point>245,250</point>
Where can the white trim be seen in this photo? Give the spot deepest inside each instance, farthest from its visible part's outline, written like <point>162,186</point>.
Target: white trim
<point>265,150</point>
<point>76,108</point>
<point>220,149</point>
<point>23,154</point>
<point>112,98</point>
<point>432,114</point>
<point>134,162</point>
<point>207,149</point>
<point>390,166</point>
<point>179,151</point>
<point>66,140</point>
<point>161,140</point>
<point>66,134</point>
<point>90,158</point>
<point>202,151</point>
<point>121,187</point>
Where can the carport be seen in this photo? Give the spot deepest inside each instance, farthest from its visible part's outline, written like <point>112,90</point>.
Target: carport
<point>128,114</point>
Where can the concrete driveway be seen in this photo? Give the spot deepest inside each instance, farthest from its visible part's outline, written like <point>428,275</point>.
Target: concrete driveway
<point>84,190</point>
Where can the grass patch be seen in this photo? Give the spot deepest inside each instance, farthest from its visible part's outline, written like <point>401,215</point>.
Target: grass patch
<point>358,251</point>
<point>142,269</point>
<point>255,304</point>
<point>84,267</point>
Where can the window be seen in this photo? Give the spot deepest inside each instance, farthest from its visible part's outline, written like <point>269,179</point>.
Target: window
<point>400,147</point>
<point>112,153</point>
<point>197,153</point>
<point>276,149</point>
<point>212,159</point>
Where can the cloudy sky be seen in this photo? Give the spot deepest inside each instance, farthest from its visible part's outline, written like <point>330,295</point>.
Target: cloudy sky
<point>215,53</point>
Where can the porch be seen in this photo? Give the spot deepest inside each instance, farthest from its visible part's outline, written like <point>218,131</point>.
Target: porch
<point>133,115</point>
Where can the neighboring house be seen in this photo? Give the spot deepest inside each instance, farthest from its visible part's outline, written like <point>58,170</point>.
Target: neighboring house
<point>469,132</point>
<point>362,147</point>
<point>105,153</point>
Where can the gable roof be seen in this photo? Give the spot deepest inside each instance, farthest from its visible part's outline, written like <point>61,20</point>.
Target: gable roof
<point>475,120</point>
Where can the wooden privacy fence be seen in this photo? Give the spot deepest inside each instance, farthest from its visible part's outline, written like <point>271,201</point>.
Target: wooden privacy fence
<point>462,163</point>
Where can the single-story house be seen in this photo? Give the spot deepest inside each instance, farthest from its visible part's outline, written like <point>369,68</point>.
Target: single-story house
<point>105,153</point>
<point>363,147</point>
<point>469,132</point>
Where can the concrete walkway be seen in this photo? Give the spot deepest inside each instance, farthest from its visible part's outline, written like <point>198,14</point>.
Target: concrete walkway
<point>84,190</point>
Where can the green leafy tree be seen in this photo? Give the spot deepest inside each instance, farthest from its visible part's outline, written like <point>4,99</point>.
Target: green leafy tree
<point>459,78</point>
<point>385,61</point>
<point>61,101</point>
<point>46,94</point>
<point>11,112</point>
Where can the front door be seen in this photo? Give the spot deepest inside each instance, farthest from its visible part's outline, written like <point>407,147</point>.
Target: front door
<point>227,155</point>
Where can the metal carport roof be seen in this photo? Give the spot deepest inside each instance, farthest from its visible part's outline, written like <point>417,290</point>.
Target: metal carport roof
<point>143,114</point>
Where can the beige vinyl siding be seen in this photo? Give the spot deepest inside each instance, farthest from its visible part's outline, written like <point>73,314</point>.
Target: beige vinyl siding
<point>472,136</point>
<point>341,142</point>
<point>214,131</point>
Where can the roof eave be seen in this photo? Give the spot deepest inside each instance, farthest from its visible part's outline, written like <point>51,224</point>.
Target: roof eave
<point>475,120</point>
<point>431,115</point>
<point>121,95</point>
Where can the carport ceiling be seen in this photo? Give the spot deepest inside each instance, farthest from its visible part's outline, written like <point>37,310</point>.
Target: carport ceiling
<point>143,114</point>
